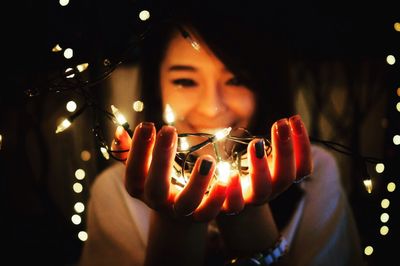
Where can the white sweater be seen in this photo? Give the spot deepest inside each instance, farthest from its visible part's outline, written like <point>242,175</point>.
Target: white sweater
<point>322,231</point>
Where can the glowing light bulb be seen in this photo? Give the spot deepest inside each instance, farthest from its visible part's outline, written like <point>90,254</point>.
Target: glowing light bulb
<point>82,67</point>
<point>144,15</point>
<point>68,53</point>
<point>121,120</point>
<point>368,250</point>
<point>63,2</point>
<point>368,184</point>
<point>56,48</point>
<point>169,115</point>
<point>118,115</point>
<point>194,44</point>
<point>222,133</point>
<point>63,125</point>
<point>79,207</point>
<point>385,203</point>
<point>70,70</point>
<point>76,219</point>
<point>223,172</point>
<point>105,153</point>
<point>77,187</point>
<point>80,174</point>
<point>183,144</point>
<point>71,106</point>
<point>82,235</point>
<point>138,106</point>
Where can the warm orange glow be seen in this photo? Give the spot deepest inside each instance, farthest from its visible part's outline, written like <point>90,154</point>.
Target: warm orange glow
<point>245,182</point>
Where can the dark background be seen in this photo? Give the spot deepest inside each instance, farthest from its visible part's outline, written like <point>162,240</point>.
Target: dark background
<point>37,166</point>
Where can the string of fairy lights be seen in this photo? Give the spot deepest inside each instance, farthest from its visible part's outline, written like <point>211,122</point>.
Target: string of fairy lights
<point>235,162</point>
<point>72,79</point>
<point>385,202</point>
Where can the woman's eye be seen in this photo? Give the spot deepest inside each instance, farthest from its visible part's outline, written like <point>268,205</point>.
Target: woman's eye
<point>234,82</point>
<point>184,82</point>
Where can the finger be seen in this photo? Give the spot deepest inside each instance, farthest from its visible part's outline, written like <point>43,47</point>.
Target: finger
<point>234,202</point>
<point>158,180</point>
<point>121,144</point>
<point>261,185</point>
<point>212,204</point>
<point>190,197</point>
<point>302,147</point>
<point>283,160</point>
<point>139,158</point>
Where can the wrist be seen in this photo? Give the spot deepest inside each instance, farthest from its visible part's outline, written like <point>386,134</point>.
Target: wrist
<point>252,230</point>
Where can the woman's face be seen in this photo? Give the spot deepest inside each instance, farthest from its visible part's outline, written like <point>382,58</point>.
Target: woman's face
<point>203,94</point>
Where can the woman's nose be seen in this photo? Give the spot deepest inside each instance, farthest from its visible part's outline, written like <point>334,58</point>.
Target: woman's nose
<point>211,102</point>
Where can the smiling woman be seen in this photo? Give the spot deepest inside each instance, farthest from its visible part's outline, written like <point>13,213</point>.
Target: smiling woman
<point>203,94</point>
<point>219,68</point>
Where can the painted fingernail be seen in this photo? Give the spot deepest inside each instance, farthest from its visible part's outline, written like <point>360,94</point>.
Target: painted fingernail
<point>259,146</point>
<point>146,130</point>
<point>166,137</point>
<point>297,125</point>
<point>283,129</point>
<point>205,167</point>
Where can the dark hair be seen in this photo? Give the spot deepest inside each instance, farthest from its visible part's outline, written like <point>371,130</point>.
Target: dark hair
<point>251,44</point>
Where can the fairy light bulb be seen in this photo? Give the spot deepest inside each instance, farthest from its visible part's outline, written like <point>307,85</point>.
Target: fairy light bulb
<point>190,39</point>
<point>183,144</point>
<point>368,185</point>
<point>121,120</point>
<point>194,44</point>
<point>66,123</point>
<point>82,67</point>
<point>105,153</point>
<point>223,172</point>
<point>63,125</point>
<point>222,133</point>
<point>118,115</point>
<point>169,116</point>
<point>144,15</point>
<point>56,48</point>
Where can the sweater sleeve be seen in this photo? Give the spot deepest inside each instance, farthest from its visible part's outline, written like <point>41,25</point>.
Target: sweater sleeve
<point>113,236</point>
<point>326,233</point>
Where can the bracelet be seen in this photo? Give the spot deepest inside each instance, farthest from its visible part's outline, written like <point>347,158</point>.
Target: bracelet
<point>264,258</point>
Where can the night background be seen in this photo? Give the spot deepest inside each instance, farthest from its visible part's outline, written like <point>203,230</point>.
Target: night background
<point>340,66</point>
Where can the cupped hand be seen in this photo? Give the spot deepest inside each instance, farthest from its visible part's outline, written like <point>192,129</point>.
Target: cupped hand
<point>270,175</point>
<point>149,164</point>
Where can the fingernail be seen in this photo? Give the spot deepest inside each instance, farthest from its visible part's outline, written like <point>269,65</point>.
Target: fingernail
<point>297,125</point>
<point>283,129</point>
<point>146,130</point>
<point>205,167</point>
<point>259,146</point>
<point>166,137</point>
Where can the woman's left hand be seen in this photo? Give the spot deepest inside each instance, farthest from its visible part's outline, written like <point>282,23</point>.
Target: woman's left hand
<point>270,175</point>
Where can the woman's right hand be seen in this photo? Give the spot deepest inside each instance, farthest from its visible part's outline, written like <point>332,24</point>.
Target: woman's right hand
<point>148,171</point>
